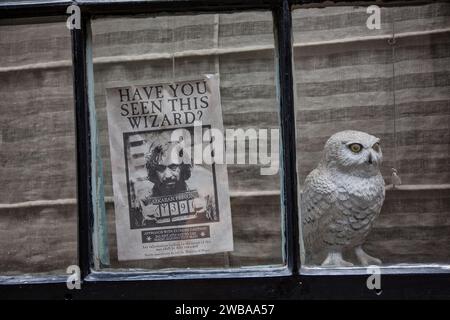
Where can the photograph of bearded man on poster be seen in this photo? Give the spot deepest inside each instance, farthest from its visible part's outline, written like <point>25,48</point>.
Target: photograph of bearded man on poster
<point>168,168</point>
<point>164,186</point>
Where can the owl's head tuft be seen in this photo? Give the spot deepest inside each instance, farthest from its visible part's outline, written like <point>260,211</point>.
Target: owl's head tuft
<point>353,151</point>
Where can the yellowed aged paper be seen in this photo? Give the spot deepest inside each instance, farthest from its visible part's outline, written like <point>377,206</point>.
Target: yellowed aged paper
<point>167,204</point>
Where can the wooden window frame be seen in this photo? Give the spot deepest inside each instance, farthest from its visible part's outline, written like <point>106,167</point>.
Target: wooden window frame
<point>256,283</point>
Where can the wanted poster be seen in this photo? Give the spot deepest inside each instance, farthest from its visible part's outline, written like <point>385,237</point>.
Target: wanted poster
<point>171,198</point>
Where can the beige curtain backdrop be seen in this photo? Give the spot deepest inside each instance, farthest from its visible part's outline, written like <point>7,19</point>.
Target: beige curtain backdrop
<point>38,213</point>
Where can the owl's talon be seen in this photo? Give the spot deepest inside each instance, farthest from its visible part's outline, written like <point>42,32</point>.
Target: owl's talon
<point>334,259</point>
<point>365,259</point>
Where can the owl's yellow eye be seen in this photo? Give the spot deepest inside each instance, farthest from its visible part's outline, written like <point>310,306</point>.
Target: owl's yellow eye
<point>355,147</point>
<point>376,147</point>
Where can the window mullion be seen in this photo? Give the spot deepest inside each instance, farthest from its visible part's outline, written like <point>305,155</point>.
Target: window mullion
<point>283,34</point>
<point>83,147</point>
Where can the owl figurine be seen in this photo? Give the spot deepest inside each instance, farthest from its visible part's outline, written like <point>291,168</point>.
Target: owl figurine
<point>341,199</point>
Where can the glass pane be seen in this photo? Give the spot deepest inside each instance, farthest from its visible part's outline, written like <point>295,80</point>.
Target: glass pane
<point>390,81</point>
<point>38,211</point>
<point>135,52</point>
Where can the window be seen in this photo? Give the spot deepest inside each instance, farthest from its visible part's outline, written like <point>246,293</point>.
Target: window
<point>393,84</point>
<point>89,183</point>
<point>38,210</point>
<point>239,47</point>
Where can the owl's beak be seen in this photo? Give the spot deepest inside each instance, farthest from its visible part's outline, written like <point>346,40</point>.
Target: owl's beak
<point>370,161</point>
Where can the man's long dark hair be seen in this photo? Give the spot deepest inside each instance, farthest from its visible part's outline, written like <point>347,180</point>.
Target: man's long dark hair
<point>154,156</point>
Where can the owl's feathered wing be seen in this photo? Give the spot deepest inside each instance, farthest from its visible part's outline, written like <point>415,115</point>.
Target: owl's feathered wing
<point>335,215</point>
<point>317,205</point>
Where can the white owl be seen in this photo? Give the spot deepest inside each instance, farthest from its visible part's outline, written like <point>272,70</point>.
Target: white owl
<point>341,199</point>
